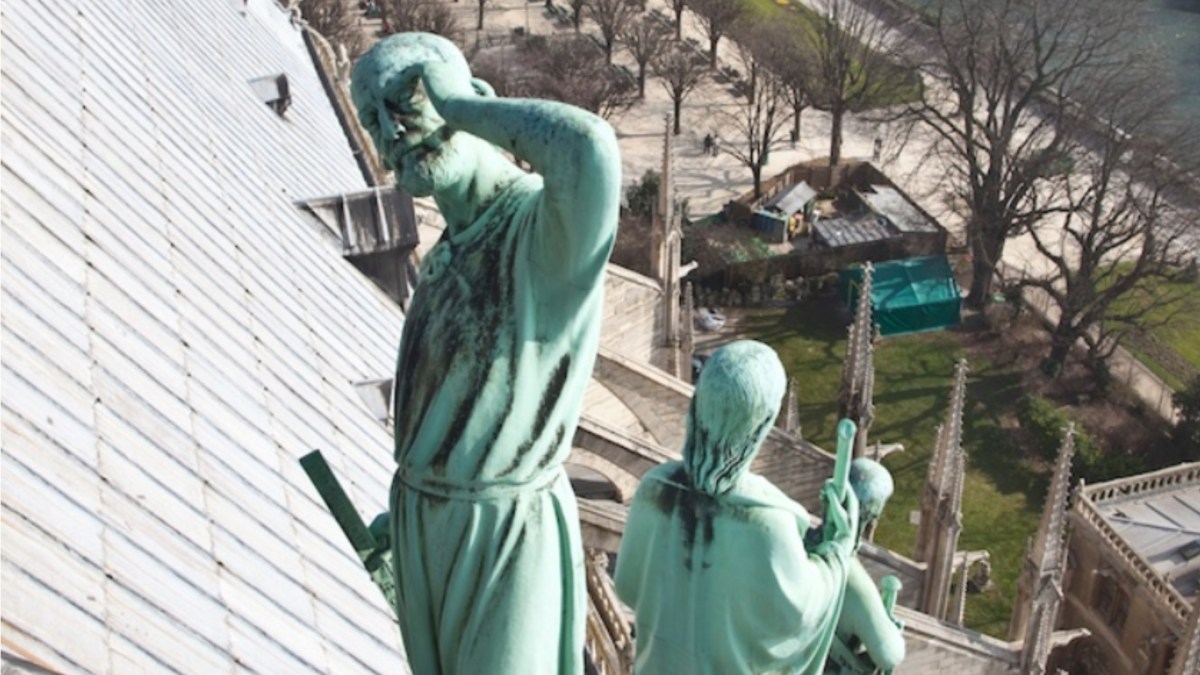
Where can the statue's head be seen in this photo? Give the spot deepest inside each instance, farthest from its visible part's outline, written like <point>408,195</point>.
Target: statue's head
<point>737,398</point>
<point>411,137</point>
<point>873,486</point>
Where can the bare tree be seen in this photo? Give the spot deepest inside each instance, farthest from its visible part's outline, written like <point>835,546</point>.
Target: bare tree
<point>852,65</point>
<point>795,82</point>
<point>611,16</point>
<point>479,23</point>
<point>507,69</point>
<point>577,7</point>
<point>422,16</point>
<point>791,64</point>
<point>645,39</point>
<point>571,68</point>
<point>719,17</point>
<point>1122,233</point>
<point>681,72</point>
<point>334,21</point>
<point>760,116</point>
<point>677,8</point>
<point>995,69</point>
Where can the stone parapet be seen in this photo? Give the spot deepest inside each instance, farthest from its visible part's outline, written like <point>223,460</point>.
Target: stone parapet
<point>1086,516</point>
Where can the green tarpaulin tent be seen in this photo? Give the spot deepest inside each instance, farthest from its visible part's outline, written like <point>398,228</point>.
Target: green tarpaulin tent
<point>907,296</point>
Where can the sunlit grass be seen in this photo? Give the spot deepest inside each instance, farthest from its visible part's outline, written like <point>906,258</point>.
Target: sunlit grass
<point>893,84</point>
<point>1175,322</point>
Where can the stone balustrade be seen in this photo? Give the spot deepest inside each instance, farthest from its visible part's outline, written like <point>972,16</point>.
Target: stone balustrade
<point>609,637</point>
<point>1163,479</point>
<point>1170,599</point>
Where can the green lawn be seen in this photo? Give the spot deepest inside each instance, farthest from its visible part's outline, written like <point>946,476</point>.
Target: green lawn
<point>1003,496</point>
<point>891,85</point>
<point>1176,324</point>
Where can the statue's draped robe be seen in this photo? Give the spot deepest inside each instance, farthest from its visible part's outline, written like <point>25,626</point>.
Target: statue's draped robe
<point>724,585</point>
<point>497,349</point>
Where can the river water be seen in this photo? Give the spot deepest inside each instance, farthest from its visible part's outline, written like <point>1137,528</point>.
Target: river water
<point>1175,26</point>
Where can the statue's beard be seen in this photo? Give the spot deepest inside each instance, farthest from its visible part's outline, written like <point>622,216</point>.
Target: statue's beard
<point>428,167</point>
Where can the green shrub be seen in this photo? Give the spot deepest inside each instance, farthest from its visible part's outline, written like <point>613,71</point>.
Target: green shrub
<point>641,196</point>
<point>1186,435</point>
<point>1044,423</point>
<point>1046,426</point>
<point>1095,465</point>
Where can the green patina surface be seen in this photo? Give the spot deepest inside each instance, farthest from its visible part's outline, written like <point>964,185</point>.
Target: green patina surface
<point>370,543</point>
<point>720,566</point>
<point>498,346</point>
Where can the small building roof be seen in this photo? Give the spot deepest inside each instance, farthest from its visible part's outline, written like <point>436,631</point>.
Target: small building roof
<point>1163,526</point>
<point>847,230</point>
<point>792,199</point>
<point>891,204</point>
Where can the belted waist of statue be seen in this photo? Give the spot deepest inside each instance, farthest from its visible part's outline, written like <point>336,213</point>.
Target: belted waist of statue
<point>476,490</point>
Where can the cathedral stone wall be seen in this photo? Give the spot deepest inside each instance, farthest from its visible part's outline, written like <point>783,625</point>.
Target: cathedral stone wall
<point>632,324</point>
<point>936,647</point>
<point>880,562</point>
<point>1104,597</point>
<point>661,403</point>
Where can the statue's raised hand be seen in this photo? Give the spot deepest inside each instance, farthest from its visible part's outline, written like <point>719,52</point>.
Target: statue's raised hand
<point>841,518</point>
<point>445,82</point>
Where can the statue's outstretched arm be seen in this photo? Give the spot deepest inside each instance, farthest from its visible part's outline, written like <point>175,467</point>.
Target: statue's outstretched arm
<point>864,616</point>
<point>575,152</point>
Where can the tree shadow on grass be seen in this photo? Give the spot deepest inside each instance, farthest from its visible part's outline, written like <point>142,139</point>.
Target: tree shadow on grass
<point>820,317</point>
<point>993,442</point>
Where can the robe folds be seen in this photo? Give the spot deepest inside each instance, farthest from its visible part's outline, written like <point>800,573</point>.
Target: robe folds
<point>497,350</point>
<point>723,584</point>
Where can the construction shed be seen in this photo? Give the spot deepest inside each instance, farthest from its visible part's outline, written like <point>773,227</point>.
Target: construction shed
<point>907,296</point>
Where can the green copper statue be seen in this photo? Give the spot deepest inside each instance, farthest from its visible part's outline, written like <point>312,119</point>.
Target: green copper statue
<point>497,349</point>
<point>714,560</point>
<point>869,639</point>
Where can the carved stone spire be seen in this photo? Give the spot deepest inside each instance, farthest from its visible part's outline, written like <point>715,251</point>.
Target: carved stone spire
<point>687,341</point>
<point>789,416</point>
<point>666,178</point>
<point>1039,590</point>
<point>1187,655</point>
<point>931,495</point>
<point>960,594</point>
<point>667,236</point>
<point>947,447</point>
<point>858,370</point>
<point>943,541</point>
<point>941,504</point>
<point>955,483</point>
<point>1048,549</point>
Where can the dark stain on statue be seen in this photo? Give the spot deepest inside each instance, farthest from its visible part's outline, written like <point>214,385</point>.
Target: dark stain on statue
<point>695,511</point>
<point>554,445</point>
<point>549,397</point>
<point>484,301</point>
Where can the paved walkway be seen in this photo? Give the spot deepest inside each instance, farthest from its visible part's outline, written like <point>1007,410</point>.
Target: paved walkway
<point>708,182</point>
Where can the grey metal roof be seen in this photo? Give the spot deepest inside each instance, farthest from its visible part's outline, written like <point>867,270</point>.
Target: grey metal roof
<point>176,333</point>
<point>1160,526</point>
<point>891,204</point>
<point>792,199</point>
<point>845,230</point>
